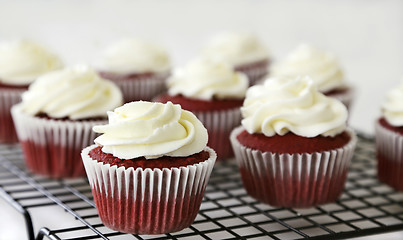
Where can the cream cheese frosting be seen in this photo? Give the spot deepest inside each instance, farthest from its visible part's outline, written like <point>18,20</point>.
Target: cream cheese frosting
<point>21,62</point>
<point>76,93</point>
<point>151,130</point>
<point>130,56</point>
<point>236,49</point>
<point>392,108</point>
<point>206,79</point>
<point>323,67</point>
<point>283,105</point>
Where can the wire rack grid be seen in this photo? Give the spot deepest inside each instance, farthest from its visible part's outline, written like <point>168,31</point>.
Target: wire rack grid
<point>366,207</point>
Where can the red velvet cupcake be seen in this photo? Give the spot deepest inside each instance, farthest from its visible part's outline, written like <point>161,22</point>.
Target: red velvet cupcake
<point>9,96</point>
<point>389,140</point>
<point>139,68</point>
<point>214,93</point>
<point>323,67</point>
<point>293,148</point>
<point>220,117</point>
<point>242,51</point>
<point>21,63</point>
<point>149,169</point>
<point>55,118</point>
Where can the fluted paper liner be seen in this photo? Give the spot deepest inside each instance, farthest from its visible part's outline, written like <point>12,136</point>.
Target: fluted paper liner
<point>389,152</point>
<point>256,71</point>
<point>346,97</point>
<point>147,201</point>
<point>219,125</point>
<point>293,180</point>
<point>8,98</point>
<point>52,147</point>
<point>144,88</point>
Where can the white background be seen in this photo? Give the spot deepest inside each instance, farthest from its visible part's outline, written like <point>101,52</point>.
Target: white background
<point>366,35</point>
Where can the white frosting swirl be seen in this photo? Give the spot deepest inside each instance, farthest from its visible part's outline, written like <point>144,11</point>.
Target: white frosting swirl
<point>321,66</point>
<point>76,93</point>
<point>236,49</point>
<point>392,108</point>
<point>151,130</point>
<point>132,55</point>
<point>206,79</point>
<point>21,62</point>
<point>282,105</point>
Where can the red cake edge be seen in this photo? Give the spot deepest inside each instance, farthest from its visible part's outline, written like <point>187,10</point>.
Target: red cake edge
<point>141,162</point>
<point>281,144</point>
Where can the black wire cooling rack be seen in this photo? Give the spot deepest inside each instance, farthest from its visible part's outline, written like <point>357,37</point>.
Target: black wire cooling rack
<point>366,207</point>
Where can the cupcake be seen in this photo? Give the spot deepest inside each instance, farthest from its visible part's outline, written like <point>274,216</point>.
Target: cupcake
<point>21,62</point>
<point>139,68</point>
<point>242,51</point>
<point>214,93</point>
<point>55,118</point>
<point>389,140</point>
<point>323,67</point>
<point>149,169</point>
<point>293,148</point>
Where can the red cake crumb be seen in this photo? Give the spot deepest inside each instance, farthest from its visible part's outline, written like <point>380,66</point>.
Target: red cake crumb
<point>162,162</point>
<point>386,125</point>
<point>200,105</point>
<point>122,77</point>
<point>9,86</point>
<point>291,143</point>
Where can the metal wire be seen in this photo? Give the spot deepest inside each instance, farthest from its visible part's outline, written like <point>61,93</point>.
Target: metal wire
<point>366,207</point>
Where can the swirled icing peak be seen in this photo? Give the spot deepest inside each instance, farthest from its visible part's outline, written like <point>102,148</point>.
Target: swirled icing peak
<point>206,79</point>
<point>294,105</point>
<point>151,130</point>
<point>133,55</point>
<point>236,49</point>
<point>392,108</point>
<point>76,93</point>
<point>323,67</point>
<point>21,62</point>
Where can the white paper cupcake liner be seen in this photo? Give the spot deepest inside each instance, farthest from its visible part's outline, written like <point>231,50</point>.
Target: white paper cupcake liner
<point>389,151</point>
<point>8,98</point>
<point>293,180</point>
<point>52,147</point>
<point>147,201</point>
<point>255,74</point>
<point>142,89</point>
<point>219,125</point>
<point>346,97</point>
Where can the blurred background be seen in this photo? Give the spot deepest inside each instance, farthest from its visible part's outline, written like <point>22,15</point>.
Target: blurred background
<point>365,35</point>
